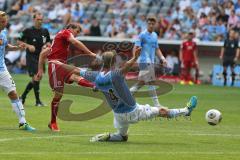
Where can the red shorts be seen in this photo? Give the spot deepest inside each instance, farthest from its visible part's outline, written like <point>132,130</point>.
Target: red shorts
<point>58,76</point>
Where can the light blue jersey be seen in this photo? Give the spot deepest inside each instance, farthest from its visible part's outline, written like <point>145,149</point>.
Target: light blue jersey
<point>3,44</point>
<point>113,85</point>
<point>149,43</point>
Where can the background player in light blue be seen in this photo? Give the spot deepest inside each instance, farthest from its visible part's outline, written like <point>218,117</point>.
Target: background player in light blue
<point>6,82</point>
<point>111,82</point>
<point>148,41</point>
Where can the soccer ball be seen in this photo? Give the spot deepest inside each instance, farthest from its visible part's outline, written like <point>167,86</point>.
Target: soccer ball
<point>213,117</point>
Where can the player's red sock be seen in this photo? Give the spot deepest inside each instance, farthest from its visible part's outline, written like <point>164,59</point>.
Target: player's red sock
<point>54,109</point>
<point>85,83</point>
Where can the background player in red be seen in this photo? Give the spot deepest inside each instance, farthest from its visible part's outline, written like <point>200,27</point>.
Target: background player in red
<point>189,59</point>
<point>57,75</point>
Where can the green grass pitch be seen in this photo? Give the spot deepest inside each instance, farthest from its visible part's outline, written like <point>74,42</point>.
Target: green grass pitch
<point>179,139</point>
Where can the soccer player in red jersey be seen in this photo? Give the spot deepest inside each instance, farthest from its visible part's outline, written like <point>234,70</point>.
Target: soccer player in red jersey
<point>189,59</point>
<point>59,51</point>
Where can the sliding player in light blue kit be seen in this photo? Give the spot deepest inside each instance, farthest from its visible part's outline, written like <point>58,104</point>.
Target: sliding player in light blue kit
<point>6,82</point>
<point>111,82</point>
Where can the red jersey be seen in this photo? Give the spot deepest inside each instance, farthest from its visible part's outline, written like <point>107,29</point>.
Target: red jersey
<point>188,48</point>
<point>60,46</point>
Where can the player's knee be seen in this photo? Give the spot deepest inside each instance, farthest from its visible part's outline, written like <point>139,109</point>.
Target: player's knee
<point>13,95</point>
<point>163,112</point>
<point>76,71</point>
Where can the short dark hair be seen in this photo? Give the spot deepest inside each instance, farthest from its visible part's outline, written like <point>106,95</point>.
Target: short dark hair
<point>74,26</point>
<point>151,18</point>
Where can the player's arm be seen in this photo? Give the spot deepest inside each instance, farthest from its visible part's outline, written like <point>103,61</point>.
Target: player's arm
<point>21,41</point>
<point>222,53</point>
<point>162,58</point>
<point>80,45</point>
<point>237,55</point>
<point>129,64</point>
<point>42,59</point>
<point>10,47</point>
<point>195,54</point>
<point>180,53</point>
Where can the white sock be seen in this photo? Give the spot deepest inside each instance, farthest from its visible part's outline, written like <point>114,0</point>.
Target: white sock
<point>177,112</point>
<point>18,108</point>
<point>153,94</point>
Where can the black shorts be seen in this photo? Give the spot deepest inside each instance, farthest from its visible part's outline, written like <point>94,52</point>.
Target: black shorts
<point>32,69</point>
<point>228,62</point>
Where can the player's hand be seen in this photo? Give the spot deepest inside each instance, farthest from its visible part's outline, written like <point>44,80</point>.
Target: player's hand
<point>197,63</point>
<point>235,59</point>
<point>31,48</point>
<point>95,89</point>
<point>93,54</point>
<point>137,52</point>
<point>164,62</point>
<point>39,74</point>
<point>22,46</point>
<point>221,57</point>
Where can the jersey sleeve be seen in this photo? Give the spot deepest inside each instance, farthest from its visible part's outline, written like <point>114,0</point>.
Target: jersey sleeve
<point>194,46</point>
<point>22,35</point>
<point>138,41</point>
<point>236,44</point>
<point>157,46</point>
<point>48,36</point>
<point>66,34</point>
<point>224,43</point>
<point>89,75</point>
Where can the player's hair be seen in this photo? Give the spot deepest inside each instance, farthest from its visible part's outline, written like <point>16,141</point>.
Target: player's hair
<point>108,58</point>
<point>151,18</point>
<point>74,26</point>
<point>3,14</point>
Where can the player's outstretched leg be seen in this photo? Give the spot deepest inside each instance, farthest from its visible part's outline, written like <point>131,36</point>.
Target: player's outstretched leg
<point>19,109</point>
<point>172,113</point>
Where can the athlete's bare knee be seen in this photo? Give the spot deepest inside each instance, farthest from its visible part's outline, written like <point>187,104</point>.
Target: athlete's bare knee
<point>13,95</point>
<point>163,112</point>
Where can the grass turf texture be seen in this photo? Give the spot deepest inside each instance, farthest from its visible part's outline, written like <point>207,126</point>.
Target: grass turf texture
<point>156,139</point>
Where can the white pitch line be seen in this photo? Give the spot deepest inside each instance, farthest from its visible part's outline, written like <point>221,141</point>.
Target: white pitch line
<point>121,153</point>
<point>89,135</point>
<point>212,134</point>
<point>60,136</point>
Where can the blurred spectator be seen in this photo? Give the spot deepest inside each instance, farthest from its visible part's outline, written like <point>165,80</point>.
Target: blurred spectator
<point>112,28</point>
<point>171,34</point>
<point>229,6</point>
<point>196,4</point>
<point>95,28</point>
<point>86,26</point>
<point>204,9</point>
<point>232,20</point>
<point>173,62</point>
<point>223,16</point>
<point>183,4</point>
<point>177,14</point>
<point>162,26</point>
